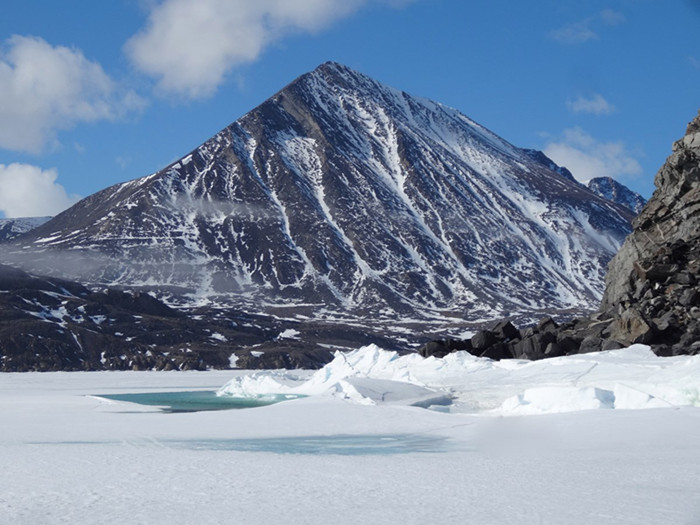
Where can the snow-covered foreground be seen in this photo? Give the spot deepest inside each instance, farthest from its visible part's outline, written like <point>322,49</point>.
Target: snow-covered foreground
<point>356,451</point>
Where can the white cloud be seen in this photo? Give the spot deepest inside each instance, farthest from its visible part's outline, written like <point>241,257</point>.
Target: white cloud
<point>583,31</point>
<point>611,17</point>
<point>596,105</point>
<point>29,191</point>
<point>44,89</point>
<point>587,157</point>
<point>190,45</point>
<point>576,33</point>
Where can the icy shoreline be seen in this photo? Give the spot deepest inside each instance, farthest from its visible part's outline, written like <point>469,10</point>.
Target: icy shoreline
<point>632,378</point>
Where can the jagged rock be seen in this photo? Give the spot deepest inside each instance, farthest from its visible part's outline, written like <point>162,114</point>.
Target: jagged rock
<point>506,330</point>
<point>610,344</point>
<point>290,355</point>
<point>569,342</point>
<point>497,352</point>
<point>656,272</point>
<point>547,324</point>
<point>630,328</point>
<point>483,339</point>
<point>591,343</point>
<point>535,346</point>
<point>553,350</point>
<point>685,278</point>
<point>663,323</point>
<point>689,298</point>
<point>667,227</point>
<point>440,348</point>
<point>652,281</point>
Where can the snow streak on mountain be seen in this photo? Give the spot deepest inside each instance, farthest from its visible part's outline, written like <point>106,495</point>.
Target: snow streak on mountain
<point>343,194</point>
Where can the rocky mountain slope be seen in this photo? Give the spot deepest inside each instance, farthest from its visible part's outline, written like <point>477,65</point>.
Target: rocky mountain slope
<point>12,228</point>
<point>53,324</point>
<point>652,293</point>
<point>613,191</point>
<point>342,195</point>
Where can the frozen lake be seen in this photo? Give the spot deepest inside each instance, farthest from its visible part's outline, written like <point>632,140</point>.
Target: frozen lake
<point>195,400</point>
<point>333,457</point>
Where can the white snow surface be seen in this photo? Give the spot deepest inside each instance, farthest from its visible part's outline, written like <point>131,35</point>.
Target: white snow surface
<point>358,449</point>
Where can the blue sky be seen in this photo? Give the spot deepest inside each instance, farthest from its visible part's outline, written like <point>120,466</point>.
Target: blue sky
<point>96,93</point>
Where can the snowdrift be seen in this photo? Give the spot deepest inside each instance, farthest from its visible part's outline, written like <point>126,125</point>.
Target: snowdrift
<point>631,378</point>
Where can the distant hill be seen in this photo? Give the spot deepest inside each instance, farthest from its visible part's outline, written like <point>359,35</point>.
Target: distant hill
<point>12,228</point>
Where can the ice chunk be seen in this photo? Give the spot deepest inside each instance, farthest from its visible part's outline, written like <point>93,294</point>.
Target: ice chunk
<point>628,378</point>
<point>627,397</point>
<point>557,399</point>
<point>369,375</point>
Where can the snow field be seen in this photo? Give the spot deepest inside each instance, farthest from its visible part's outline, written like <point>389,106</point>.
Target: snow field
<point>358,452</point>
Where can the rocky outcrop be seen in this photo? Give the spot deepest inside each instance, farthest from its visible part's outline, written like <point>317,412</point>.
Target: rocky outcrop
<point>545,339</point>
<point>652,293</point>
<point>672,215</point>
<point>652,290</point>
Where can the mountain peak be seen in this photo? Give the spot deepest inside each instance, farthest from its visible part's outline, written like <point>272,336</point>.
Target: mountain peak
<point>340,194</point>
<point>332,69</point>
<point>335,75</point>
<point>614,191</point>
<point>331,65</point>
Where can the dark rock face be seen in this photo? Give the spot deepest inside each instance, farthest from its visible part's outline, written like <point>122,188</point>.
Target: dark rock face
<point>505,341</point>
<point>440,348</point>
<point>48,324</point>
<point>357,198</point>
<point>543,159</point>
<point>51,324</point>
<point>652,285</point>
<point>652,293</point>
<point>618,193</point>
<point>671,216</point>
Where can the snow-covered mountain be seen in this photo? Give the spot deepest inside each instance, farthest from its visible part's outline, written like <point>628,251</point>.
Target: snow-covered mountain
<point>13,228</point>
<point>612,190</point>
<point>341,194</point>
